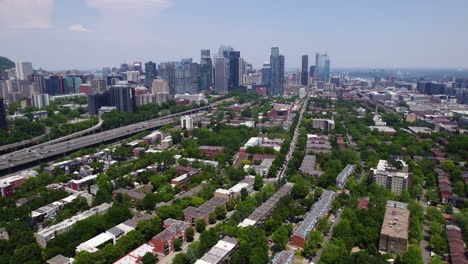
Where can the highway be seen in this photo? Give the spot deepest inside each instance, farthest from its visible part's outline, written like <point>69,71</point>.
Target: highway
<point>40,152</point>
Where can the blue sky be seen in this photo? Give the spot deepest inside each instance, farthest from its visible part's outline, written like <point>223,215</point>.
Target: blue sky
<point>89,34</point>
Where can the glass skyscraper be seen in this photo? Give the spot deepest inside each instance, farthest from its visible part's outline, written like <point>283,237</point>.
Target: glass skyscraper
<point>150,73</point>
<point>322,66</point>
<point>305,70</point>
<point>277,72</point>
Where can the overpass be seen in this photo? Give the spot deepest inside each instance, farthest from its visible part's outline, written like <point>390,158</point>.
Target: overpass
<point>39,153</point>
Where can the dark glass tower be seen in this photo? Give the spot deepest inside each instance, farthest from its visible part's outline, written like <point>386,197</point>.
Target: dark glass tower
<point>277,72</point>
<point>123,98</point>
<point>3,119</point>
<point>206,71</point>
<point>234,60</point>
<point>305,70</point>
<point>150,73</point>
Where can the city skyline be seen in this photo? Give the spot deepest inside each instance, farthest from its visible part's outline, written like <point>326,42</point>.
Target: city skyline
<point>355,35</point>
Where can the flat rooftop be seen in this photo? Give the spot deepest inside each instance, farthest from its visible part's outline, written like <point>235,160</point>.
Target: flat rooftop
<point>396,222</point>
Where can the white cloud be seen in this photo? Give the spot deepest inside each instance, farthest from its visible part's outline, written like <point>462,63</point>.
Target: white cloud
<point>129,7</point>
<point>79,28</point>
<point>26,13</point>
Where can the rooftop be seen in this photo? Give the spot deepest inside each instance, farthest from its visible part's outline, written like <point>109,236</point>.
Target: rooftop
<point>396,222</point>
<point>284,257</point>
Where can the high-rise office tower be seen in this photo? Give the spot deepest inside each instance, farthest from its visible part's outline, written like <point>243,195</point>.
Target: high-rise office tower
<point>24,69</point>
<point>312,72</point>
<point>277,72</point>
<point>234,66</point>
<point>322,66</point>
<point>3,119</point>
<point>123,98</point>
<point>305,70</point>
<point>266,73</point>
<point>224,51</point>
<point>105,71</point>
<point>150,73</point>
<point>137,67</point>
<point>206,71</point>
<point>167,72</point>
<point>72,84</point>
<point>98,86</point>
<point>96,101</point>
<point>124,67</point>
<point>54,85</point>
<point>221,74</point>
<point>39,82</point>
<point>186,74</point>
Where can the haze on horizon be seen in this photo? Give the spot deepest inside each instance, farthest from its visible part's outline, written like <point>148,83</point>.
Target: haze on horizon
<point>90,34</point>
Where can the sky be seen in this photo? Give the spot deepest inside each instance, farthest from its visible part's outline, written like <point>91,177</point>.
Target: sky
<point>90,34</point>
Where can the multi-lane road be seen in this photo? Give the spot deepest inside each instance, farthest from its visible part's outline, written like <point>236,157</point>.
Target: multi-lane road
<point>38,153</point>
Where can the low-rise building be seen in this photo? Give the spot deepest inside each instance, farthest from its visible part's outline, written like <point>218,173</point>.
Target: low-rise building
<point>284,257</point>
<point>137,254</point>
<point>395,226</point>
<point>164,241</point>
<point>193,214</point>
<point>9,184</point>
<point>49,233</point>
<point>234,191</point>
<point>343,176</point>
<point>455,244</point>
<point>211,151</point>
<point>82,183</point>
<point>261,213</point>
<point>308,166</point>
<point>319,209</point>
<point>60,259</point>
<point>318,143</point>
<point>324,124</point>
<point>220,252</point>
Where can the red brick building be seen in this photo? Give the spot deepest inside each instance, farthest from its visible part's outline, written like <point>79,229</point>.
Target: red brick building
<point>164,241</point>
<point>211,151</point>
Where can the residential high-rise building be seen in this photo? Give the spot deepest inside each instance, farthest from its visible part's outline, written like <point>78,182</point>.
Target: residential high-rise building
<point>322,66</point>
<point>206,71</point>
<point>3,119</point>
<point>277,72</point>
<point>98,86</point>
<point>123,98</point>
<point>266,73</point>
<point>160,89</point>
<point>186,122</point>
<point>234,66</point>
<point>305,70</point>
<point>167,72</point>
<point>221,74</point>
<point>150,73</point>
<point>54,85</point>
<point>39,82</point>
<point>24,69</point>
<point>133,76</point>
<point>40,100</point>
<point>389,177</point>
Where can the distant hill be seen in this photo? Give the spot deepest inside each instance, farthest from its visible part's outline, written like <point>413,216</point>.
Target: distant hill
<point>6,63</point>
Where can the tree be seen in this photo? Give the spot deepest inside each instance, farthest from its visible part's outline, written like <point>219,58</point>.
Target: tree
<point>212,218</point>
<point>177,244</point>
<point>181,258</point>
<point>30,254</point>
<point>149,258</point>
<point>413,255</point>
<point>258,255</point>
<point>189,233</point>
<point>300,190</point>
<point>281,238</point>
<point>436,260</point>
<point>258,182</point>
<point>449,209</point>
<point>323,225</point>
<point>220,212</point>
<point>200,225</point>
<point>312,244</point>
<point>244,194</point>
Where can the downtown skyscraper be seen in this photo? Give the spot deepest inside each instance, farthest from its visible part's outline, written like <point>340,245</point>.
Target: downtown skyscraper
<point>206,71</point>
<point>322,66</point>
<point>305,70</point>
<point>277,72</point>
<point>234,69</point>
<point>150,73</point>
<point>221,74</point>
